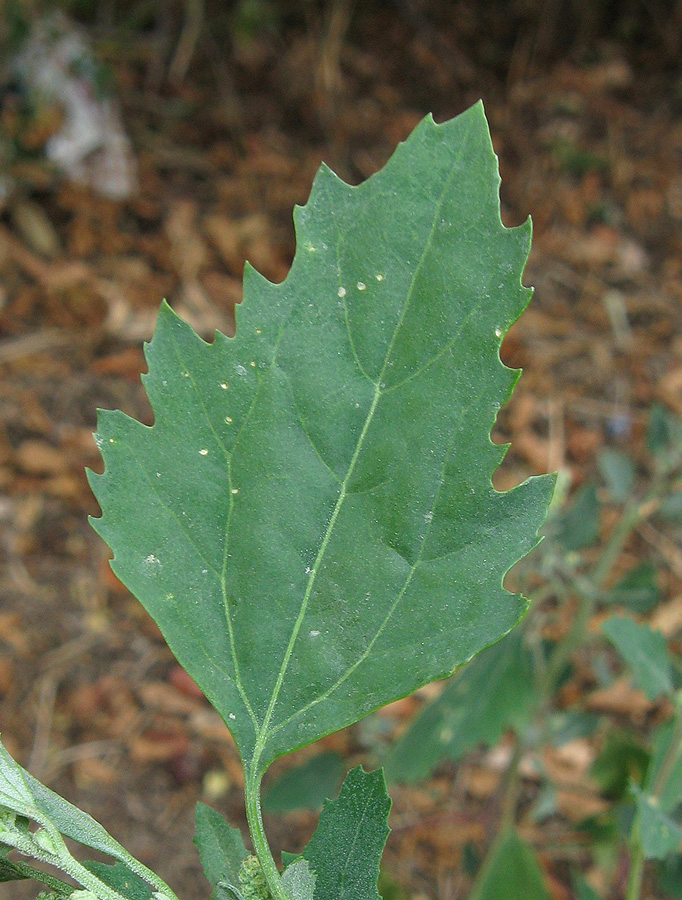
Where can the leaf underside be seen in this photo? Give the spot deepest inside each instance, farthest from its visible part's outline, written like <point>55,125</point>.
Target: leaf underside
<point>311,520</point>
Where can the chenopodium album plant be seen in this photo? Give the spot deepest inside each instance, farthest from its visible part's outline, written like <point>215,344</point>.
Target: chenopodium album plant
<point>311,519</point>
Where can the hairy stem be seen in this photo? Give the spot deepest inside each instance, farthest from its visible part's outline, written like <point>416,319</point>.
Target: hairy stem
<point>260,841</point>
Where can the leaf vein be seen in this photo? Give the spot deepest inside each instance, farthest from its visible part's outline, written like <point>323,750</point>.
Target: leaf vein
<point>264,731</point>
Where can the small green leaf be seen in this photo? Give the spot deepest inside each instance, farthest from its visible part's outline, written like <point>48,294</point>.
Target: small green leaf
<point>637,590</point>
<point>618,472</point>
<point>658,833</point>
<point>10,871</point>
<point>645,652</point>
<point>23,794</point>
<point>306,786</point>
<point>345,851</point>
<point>491,693</point>
<point>511,872</point>
<point>21,871</point>
<point>311,519</point>
<point>578,527</point>
<point>121,879</point>
<point>299,881</point>
<point>221,848</point>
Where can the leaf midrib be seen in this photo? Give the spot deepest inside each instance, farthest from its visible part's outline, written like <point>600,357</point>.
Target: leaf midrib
<point>263,734</point>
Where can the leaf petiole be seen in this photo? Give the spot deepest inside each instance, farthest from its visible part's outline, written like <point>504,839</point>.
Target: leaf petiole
<point>260,842</point>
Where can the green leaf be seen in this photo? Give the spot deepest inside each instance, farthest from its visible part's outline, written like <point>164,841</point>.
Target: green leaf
<point>23,794</point>
<point>646,653</point>
<point>121,879</point>
<point>511,873</point>
<point>637,590</point>
<point>221,848</point>
<point>345,850</point>
<point>10,871</point>
<point>618,472</point>
<point>307,786</point>
<point>659,834</point>
<point>493,692</point>
<point>299,881</point>
<point>312,508</point>
<point>578,527</point>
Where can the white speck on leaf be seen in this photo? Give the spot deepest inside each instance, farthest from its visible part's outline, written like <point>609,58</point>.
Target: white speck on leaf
<point>223,385</point>
<point>228,419</point>
<point>498,332</point>
<point>342,292</point>
<point>253,363</point>
<point>380,277</point>
<point>241,370</point>
<point>232,716</point>
<point>235,490</point>
<point>203,452</point>
<point>314,634</point>
<point>361,285</point>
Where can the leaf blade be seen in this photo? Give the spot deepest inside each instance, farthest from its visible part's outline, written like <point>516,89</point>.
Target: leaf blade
<point>345,851</point>
<point>646,653</point>
<point>512,872</point>
<point>221,847</point>
<point>369,369</point>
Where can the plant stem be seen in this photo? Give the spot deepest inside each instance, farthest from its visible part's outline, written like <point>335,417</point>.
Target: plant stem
<point>512,786</point>
<point>633,515</point>
<point>636,873</point>
<point>260,841</point>
<point>672,754</point>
